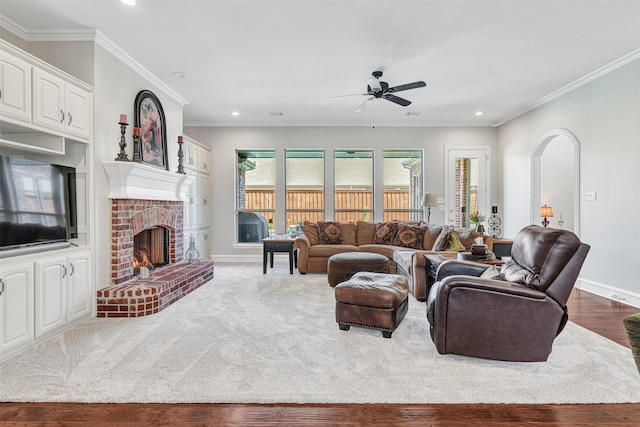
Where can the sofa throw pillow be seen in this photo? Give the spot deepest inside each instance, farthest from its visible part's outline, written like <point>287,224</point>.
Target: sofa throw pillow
<point>330,233</point>
<point>385,233</point>
<point>310,229</point>
<point>492,273</point>
<point>409,236</point>
<point>442,242</point>
<point>454,244</point>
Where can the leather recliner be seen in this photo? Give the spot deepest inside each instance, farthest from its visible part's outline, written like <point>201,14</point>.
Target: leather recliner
<point>517,316</point>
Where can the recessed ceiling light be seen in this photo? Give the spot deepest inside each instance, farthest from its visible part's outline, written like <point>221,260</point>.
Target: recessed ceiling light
<point>129,2</point>
<point>479,113</point>
<point>177,74</point>
<point>235,113</point>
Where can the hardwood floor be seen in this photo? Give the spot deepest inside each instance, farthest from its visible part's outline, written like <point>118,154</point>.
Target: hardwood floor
<point>590,311</point>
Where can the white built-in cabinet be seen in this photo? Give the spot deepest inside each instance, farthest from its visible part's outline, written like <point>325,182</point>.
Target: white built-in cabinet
<point>16,306</point>
<point>62,294</point>
<point>46,114</point>
<point>197,211</point>
<point>60,105</point>
<point>15,88</point>
<point>40,106</point>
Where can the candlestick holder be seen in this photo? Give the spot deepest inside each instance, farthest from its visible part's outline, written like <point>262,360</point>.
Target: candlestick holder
<point>137,157</point>
<point>180,157</point>
<point>122,157</point>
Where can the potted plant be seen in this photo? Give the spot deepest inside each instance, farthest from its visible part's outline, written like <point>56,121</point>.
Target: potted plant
<point>477,218</point>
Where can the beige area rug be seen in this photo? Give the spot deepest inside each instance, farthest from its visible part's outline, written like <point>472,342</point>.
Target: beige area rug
<point>248,337</point>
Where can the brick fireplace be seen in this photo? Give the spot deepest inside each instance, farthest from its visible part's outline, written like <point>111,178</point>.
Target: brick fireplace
<point>147,201</point>
<point>129,217</point>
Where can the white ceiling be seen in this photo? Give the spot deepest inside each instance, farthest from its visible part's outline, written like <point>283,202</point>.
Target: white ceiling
<point>261,57</point>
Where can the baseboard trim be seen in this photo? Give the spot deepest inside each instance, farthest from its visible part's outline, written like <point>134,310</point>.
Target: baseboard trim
<point>610,292</point>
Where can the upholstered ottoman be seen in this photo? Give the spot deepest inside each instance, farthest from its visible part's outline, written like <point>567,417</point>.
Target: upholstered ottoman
<point>372,300</point>
<point>342,266</point>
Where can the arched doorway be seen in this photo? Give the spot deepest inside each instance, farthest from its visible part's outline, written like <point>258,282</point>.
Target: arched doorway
<point>556,179</point>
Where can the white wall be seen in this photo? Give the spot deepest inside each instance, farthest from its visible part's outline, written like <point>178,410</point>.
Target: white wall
<point>604,115</point>
<point>225,140</point>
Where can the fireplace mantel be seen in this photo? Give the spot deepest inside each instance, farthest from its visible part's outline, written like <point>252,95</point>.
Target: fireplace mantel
<point>132,180</point>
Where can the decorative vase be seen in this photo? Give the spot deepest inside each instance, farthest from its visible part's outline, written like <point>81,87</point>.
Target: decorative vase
<point>192,253</point>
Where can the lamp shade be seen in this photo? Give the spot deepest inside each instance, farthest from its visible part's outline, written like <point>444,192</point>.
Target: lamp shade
<point>545,211</point>
<point>430,200</point>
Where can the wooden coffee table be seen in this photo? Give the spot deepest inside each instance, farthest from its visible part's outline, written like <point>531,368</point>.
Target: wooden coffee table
<point>435,260</point>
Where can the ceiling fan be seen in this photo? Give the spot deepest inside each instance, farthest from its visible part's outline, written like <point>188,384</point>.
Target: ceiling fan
<point>377,89</point>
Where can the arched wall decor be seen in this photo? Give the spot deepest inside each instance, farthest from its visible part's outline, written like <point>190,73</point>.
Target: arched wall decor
<point>536,174</point>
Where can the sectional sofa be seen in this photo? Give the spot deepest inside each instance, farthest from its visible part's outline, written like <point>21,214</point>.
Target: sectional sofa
<point>404,243</point>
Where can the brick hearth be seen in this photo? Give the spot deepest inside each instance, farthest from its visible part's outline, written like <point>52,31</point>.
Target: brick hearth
<point>142,297</point>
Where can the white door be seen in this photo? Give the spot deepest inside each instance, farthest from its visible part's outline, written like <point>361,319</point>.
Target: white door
<point>15,88</point>
<point>48,95</point>
<point>466,184</point>
<point>79,290</point>
<point>77,110</point>
<point>51,295</point>
<point>16,305</point>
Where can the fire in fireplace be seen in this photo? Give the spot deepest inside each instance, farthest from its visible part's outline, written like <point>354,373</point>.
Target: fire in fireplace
<point>150,249</point>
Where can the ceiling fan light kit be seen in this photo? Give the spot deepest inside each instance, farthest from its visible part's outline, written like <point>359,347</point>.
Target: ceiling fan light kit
<point>377,89</point>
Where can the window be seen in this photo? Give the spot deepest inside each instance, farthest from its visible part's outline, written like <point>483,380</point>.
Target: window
<point>353,196</point>
<point>402,171</point>
<point>255,193</point>
<point>304,171</point>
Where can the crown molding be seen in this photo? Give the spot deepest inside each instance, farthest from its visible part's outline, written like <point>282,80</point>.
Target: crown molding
<point>620,62</point>
<point>123,56</point>
<point>13,27</point>
<point>90,35</point>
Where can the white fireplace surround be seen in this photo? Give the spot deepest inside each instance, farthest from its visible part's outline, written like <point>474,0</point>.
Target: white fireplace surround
<point>132,180</point>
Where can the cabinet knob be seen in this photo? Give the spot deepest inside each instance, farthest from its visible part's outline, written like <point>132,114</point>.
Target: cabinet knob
<point>1,286</point>
<point>73,269</point>
<point>70,119</point>
<point>62,116</point>
<point>64,271</point>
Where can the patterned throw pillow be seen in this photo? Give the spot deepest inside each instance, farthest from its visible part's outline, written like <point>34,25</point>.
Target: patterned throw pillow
<point>310,229</point>
<point>385,233</point>
<point>409,236</point>
<point>442,242</point>
<point>455,244</point>
<point>330,233</point>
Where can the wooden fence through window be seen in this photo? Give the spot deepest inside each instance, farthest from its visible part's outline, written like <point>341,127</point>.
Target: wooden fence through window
<point>308,205</point>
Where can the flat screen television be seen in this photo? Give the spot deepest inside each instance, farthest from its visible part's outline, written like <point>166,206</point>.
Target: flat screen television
<point>37,204</point>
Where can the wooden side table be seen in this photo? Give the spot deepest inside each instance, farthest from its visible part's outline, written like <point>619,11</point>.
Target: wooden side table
<point>273,245</point>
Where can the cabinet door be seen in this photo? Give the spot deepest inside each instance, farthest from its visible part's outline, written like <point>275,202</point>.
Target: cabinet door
<point>15,88</point>
<point>203,244</point>
<point>204,210</point>
<point>51,295</point>
<point>79,287</point>
<point>48,98</point>
<point>16,306</point>
<point>203,157</point>
<point>78,111</point>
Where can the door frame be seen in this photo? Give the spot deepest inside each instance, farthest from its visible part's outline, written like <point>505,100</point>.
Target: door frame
<point>484,194</point>
<point>536,175</point>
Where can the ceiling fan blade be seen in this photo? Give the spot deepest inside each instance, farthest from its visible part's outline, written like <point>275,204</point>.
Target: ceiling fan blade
<point>374,84</point>
<point>407,86</point>
<point>397,100</point>
<point>364,104</point>
<point>349,96</point>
